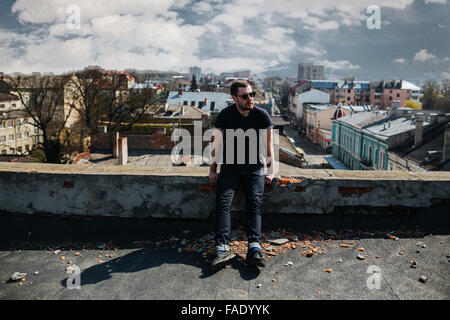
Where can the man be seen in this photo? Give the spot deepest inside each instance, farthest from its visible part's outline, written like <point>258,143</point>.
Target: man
<point>242,162</point>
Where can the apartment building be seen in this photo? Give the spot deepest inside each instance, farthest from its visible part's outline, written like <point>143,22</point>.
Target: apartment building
<point>308,71</point>
<point>18,135</point>
<point>381,94</point>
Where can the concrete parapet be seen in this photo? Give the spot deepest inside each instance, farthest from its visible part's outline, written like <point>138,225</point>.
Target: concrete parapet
<point>184,192</point>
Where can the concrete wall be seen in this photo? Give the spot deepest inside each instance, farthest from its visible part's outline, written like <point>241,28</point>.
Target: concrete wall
<point>184,192</point>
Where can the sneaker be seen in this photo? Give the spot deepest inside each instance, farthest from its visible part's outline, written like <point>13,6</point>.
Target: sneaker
<point>255,258</point>
<point>221,259</point>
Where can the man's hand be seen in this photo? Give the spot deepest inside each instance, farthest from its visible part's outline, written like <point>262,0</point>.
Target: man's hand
<point>213,176</point>
<point>269,178</point>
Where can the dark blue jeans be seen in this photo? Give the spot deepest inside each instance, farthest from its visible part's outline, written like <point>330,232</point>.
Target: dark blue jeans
<point>227,183</point>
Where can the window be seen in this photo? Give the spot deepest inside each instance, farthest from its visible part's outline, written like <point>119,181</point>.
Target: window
<point>19,149</point>
<point>27,147</point>
<point>200,104</point>
<point>3,152</point>
<point>192,103</point>
<point>19,136</point>
<point>36,130</point>
<point>213,105</point>
<point>2,125</point>
<point>25,121</point>
<point>398,95</point>
<point>2,106</point>
<point>14,105</point>
<point>10,124</point>
<point>2,138</point>
<point>27,134</point>
<point>18,123</point>
<point>11,137</point>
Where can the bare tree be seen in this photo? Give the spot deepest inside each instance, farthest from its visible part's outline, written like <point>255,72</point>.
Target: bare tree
<point>43,100</point>
<point>104,98</point>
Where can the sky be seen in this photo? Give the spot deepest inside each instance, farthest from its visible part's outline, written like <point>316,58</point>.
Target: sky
<point>368,39</point>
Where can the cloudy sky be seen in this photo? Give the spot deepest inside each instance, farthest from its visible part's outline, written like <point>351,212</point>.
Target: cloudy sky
<point>265,36</point>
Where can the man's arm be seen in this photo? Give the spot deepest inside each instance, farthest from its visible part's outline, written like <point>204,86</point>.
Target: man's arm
<point>217,145</point>
<point>270,154</point>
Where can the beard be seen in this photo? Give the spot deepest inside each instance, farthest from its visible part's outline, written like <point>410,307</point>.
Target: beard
<point>247,105</point>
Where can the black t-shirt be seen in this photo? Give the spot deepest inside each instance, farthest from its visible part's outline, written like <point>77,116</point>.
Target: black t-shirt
<point>230,120</point>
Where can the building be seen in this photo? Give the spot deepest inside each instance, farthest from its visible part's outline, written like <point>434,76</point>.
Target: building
<point>347,137</point>
<point>206,100</point>
<point>427,150</point>
<point>308,71</point>
<point>363,141</point>
<point>246,74</point>
<point>195,71</point>
<point>18,135</point>
<point>342,91</point>
<point>381,94</point>
<point>385,94</point>
<point>298,100</point>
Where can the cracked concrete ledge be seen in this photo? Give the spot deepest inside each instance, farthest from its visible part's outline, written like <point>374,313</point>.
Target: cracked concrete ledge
<point>185,193</point>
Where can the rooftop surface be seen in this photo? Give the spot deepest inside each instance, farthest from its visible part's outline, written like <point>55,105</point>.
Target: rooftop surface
<point>143,259</point>
<point>392,127</point>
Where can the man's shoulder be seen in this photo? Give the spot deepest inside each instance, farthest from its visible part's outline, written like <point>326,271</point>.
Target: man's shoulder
<point>228,109</point>
<point>261,112</point>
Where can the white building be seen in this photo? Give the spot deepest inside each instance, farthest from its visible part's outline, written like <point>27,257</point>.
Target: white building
<point>195,71</point>
<point>311,96</point>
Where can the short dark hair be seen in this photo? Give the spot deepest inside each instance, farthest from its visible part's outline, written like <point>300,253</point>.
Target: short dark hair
<point>236,85</point>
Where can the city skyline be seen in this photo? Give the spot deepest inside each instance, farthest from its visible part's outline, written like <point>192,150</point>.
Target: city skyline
<point>219,36</point>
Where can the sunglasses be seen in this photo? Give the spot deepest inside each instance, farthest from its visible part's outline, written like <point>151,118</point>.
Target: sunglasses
<point>245,96</point>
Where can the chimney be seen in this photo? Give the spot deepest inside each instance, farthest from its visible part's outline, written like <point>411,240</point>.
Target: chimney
<point>182,111</point>
<point>419,132</point>
<point>446,149</point>
<point>180,92</point>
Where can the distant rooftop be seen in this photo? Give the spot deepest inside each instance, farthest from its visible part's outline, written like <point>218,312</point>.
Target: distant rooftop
<point>220,99</point>
<point>392,127</point>
<point>362,119</point>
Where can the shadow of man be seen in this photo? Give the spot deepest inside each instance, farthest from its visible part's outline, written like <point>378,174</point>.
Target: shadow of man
<point>148,258</point>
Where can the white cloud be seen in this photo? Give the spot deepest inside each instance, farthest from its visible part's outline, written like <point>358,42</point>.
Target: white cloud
<point>423,56</point>
<point>436,1</point>
<point>117,34</point>
<point>338,65</point>
<point>400,60</point>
